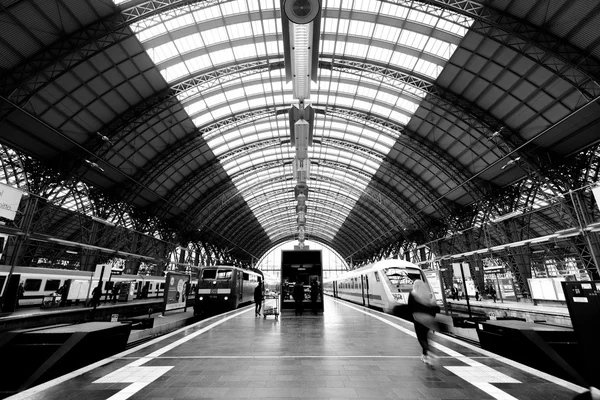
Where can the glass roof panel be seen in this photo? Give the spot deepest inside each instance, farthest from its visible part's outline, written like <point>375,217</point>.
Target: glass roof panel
<point>199,38</point>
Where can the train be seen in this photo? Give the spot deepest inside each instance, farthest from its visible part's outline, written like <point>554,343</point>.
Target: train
<point>40,284</point>
<point>383,285</point>
<point>224,288</point>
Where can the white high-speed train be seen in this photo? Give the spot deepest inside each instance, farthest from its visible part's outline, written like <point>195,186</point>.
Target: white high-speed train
<point>383,285</point>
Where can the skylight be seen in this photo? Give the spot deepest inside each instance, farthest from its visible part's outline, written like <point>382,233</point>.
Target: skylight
<point>197,40</point>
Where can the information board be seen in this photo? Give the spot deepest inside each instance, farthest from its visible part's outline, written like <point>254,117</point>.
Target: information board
<point>434,281</point>
<point>175,290</point>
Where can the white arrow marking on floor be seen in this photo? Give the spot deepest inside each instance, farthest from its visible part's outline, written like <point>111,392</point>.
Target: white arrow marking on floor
<point>139,377</point>
<point>478,374</point>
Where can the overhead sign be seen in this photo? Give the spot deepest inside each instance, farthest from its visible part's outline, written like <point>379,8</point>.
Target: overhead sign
<point>9,201</point>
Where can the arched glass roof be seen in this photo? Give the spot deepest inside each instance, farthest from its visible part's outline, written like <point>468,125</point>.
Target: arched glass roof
<point>194,39</point>
<point>178,112</point>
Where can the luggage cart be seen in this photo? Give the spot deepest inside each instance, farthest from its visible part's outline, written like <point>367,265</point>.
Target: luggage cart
<point>271,310</point>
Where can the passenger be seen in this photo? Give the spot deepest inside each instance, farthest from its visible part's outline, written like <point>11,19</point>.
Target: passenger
<point>315,289</point>
<point>258,299</point>
<point>115,292</point>
<point>20,293</point>
<point>423,308</point>
<point>96,294</point>
<point>454,293</point>
<point>493,293</point>
<point>476,293</point>
<point>298,295</point>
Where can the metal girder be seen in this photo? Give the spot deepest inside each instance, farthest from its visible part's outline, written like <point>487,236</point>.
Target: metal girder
<point>185,146</point>
<point>416,144</point>
<point>138,115</point>
<point>464,110</point>
<point>71,50</point>
<point>562,58</point>
<point>546,49</point>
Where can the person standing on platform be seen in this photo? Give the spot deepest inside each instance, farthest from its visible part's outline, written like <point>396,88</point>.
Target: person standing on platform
<point>454,293</point>
<point>258,299</point>
<point>423,307</point>
<point>493,293</point>
<point>298,295</point>
<point>96,294</point>
<point>315,289</point>
<point>20,293</point>
<point>115,292</point>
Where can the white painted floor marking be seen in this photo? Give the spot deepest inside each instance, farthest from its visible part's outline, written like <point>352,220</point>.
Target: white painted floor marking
<point>471,373</point>
<point>139,377</point>
<point>46,385</point>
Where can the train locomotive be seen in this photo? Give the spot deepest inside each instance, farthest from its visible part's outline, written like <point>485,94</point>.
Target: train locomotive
<point>223,288</point>
<point>383,285</point>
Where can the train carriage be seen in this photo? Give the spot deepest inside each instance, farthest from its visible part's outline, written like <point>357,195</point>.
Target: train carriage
<point>383,285</point>
<point>39,283</point>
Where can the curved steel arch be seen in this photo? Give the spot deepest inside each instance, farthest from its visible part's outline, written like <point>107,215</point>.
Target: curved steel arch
<point>266,195</point>
<point>265,184</point>
<point>521,36</point>
<point>381,188</point>
<point>368,225</point>
<point>412,141</point>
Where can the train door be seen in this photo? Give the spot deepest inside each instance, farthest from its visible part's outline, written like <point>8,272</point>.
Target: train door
<point>240,284</point>
<point>367,290</point>
<point>362,288</point>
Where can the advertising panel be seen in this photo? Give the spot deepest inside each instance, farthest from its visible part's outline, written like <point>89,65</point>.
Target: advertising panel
<point>9,201</point>
<point>175,290</point>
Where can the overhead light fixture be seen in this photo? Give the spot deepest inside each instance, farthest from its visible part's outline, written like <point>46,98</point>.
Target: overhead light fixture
<point>507,216</point>
<point>511,162</point>
<point>595,227</point>
<point>94,165</point>
<point>567,233</point>
<point>301,23</point>
<point>102,221</point>
<point>71,252</point>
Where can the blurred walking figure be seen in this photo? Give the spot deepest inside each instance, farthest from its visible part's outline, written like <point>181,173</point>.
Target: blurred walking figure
<point>258,299</point>
<point>423,308</point>
<point>298,295</point>
<point>315,290</point>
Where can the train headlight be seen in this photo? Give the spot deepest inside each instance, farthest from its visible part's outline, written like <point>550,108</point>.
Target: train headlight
<point>200,298</point>
<point>225,298</point>
<point>214,282</point>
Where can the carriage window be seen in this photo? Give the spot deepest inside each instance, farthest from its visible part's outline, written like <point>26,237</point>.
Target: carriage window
<point>376,276</point>
<point>32,285</point>
<point>52,284</point>
<point>245,276</point>
<point>224,274</point>
<point>108,285</point>
<point>209,274</point>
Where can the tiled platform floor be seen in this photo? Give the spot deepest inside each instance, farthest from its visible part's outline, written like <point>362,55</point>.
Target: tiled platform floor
<point>346,353</point>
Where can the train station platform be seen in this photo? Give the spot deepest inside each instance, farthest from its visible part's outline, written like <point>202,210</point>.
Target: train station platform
<point>347,352</point>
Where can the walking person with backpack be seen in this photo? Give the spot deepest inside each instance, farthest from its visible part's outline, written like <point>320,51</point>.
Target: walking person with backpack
<point>423,307</point>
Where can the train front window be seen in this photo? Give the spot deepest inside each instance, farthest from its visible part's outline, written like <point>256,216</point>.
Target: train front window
<point>224,274</point>
<point>209,274</point>
<point>401,278</point>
